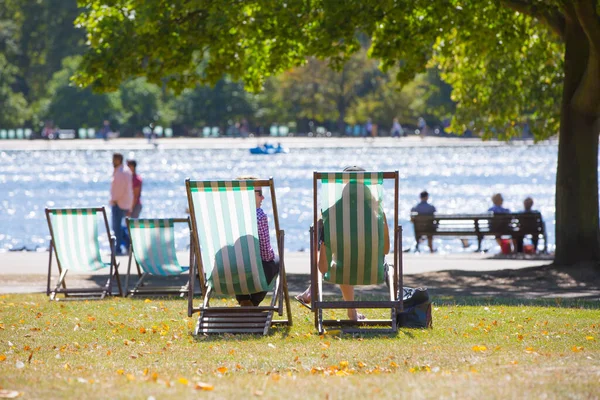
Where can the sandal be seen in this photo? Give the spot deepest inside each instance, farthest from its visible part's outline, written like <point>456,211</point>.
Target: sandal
<point>301,300</point>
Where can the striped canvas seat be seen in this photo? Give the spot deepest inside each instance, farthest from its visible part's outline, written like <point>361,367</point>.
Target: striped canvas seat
<point>353,239</point>
<point>153,249</point>
<point>74,233</point>
<point>226,244</point>
<point>353,227</point>
<point>153,246</point>
<point>229,239</point>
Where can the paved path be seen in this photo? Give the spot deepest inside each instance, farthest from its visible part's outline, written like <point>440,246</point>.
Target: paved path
<point>22,272</point>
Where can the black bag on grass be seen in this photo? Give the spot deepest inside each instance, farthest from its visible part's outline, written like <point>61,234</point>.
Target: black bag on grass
<point>417,309</point>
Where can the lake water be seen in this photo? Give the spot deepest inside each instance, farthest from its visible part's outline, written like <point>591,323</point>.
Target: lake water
<point>459,180</point>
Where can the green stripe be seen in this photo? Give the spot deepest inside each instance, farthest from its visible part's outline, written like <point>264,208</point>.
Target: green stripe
<point>347,186</point>
<point>207,226</point>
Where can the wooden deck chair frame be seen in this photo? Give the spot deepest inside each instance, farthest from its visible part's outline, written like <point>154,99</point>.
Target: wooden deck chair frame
<point>143,274</point>
<point>395,279</point>
<point>257,320</point>
<point>80,293</point>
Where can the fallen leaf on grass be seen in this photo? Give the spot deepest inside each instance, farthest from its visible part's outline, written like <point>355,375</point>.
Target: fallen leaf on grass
<point>576,349</point>
<point>222,370</point>
<point>479,348</point>
<point>203,386</point>
<point>9,394</point>
<point>2,357</point>
<point>183,381</point>
<point>589,338</point>
<point>529,350</point>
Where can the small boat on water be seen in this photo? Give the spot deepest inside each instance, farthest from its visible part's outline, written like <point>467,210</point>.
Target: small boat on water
<point>269,149</point>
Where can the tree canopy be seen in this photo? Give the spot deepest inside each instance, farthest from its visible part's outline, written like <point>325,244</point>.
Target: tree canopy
<point>504,59</point>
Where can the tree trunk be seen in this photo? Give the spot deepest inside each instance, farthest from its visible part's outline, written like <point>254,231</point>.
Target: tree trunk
<point>577,231</point>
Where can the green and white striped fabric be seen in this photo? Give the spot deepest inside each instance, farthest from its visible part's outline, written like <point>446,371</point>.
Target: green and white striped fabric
<point>353,222</point>
<point>225,214</point>
<point>76,239</point>
<point>153,242</point>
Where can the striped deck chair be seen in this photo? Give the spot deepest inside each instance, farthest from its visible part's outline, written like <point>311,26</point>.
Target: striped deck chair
<point>153,249</point>
<point>353,235</point>
<point>226,245</point>
<point>74,241</point>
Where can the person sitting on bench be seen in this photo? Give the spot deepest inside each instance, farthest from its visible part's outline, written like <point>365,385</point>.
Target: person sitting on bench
<point>424,208</point>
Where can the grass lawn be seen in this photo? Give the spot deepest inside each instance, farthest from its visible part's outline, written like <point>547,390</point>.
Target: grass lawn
<point>143,348</point>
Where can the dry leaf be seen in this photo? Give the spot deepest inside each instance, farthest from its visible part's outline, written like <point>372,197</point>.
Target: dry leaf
<point>9,394</point>
<point>222,370</point>
<point>589,338</point>
<point>183,381</point>
<point>2,357</point>
<point>204,386</point>
<point>576,349</point>
<point>479,348</point>
<point>120,371</point>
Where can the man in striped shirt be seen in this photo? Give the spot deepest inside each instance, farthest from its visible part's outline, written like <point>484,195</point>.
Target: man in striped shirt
<point>269,261</point>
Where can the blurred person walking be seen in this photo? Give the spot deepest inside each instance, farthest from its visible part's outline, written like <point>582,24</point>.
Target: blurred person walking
<point>121,198</point>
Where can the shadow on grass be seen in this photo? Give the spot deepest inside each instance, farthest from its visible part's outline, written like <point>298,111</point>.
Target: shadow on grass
<point>509,286</point>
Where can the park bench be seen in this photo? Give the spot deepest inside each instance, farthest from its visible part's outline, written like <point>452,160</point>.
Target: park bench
<point>516,225</point>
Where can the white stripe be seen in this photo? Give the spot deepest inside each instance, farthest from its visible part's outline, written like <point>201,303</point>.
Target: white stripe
<point>158,242</point>
<point>237,236</point>
<point>251,223</point>
<point>360,231</point>
<point>84,222</point>
<point>218,197</point>
<point>169,236</point>
<point>209,253</point>
<point>374,228</point>
<point>330,199</point>
<point>347,230</point>
<point>72,245</point>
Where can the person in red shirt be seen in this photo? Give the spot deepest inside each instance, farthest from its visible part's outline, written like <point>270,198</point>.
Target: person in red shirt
<point>136,180</point>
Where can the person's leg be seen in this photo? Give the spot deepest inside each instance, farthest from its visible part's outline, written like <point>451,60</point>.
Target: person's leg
<point>271,268</point>
<point>430,243</point>
<point>117,217</point>
<point>518,243</point>
<point>244,300</point>
<point>348,295</point>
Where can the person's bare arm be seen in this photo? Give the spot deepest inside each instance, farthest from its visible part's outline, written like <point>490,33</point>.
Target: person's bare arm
<point>137,192</point>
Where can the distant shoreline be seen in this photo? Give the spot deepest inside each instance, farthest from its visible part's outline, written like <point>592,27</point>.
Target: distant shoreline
<point>239,143</point>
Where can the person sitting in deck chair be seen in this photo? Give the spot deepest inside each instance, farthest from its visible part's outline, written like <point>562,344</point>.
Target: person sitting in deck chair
<point>347,290</point>
<point>270,263</point>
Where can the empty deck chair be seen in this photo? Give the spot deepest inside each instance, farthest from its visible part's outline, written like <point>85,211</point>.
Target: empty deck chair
<point>353,236</point>
<point>74,241</point>
<point>153,249</point>
<point>226,245</point>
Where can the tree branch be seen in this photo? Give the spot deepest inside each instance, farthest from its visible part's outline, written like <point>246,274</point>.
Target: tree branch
<point>554,19</point>
<point>586,14</point>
